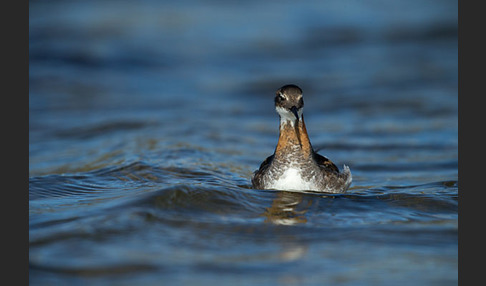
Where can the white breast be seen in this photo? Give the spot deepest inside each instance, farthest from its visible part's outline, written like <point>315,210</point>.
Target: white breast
<point>291,179</point>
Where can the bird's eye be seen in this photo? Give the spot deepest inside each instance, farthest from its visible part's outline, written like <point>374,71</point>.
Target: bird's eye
<point>281,97</point>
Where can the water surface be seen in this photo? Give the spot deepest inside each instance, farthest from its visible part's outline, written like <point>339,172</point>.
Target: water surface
<point>147,120</point>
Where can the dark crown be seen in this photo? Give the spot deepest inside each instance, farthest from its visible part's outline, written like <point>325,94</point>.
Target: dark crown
<point>289,96</point>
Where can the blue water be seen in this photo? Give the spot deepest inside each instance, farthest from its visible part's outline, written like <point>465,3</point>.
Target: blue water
<point>147,119</point>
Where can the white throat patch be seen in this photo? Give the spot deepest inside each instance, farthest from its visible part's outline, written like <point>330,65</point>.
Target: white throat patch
<point>287,116</point>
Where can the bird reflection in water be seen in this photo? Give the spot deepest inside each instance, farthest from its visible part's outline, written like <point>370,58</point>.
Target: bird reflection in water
<point>287,209</point>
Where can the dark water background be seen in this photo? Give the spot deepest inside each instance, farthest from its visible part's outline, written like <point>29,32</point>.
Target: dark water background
<point>147,119</point>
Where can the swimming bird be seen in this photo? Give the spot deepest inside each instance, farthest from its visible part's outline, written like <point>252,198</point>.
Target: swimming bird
<point>294,164</point>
